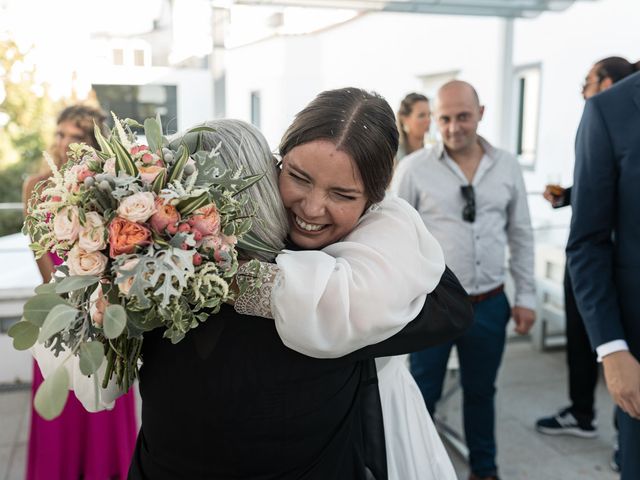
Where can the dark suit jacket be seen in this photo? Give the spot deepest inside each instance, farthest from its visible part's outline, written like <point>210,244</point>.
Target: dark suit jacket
<point>231,401</point>
<point>604,244</point>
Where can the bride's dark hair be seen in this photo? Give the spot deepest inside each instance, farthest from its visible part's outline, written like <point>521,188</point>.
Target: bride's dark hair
<point>359,123</point>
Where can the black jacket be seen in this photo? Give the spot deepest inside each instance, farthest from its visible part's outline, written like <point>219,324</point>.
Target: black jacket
<point>232,402</point>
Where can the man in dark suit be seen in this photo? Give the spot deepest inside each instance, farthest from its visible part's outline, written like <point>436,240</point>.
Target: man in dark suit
<point>604,249</point>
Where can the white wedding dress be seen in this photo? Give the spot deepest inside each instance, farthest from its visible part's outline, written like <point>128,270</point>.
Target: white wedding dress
<point>414,448</point>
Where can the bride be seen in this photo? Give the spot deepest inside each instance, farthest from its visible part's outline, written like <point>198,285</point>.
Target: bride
<point>231,400</point>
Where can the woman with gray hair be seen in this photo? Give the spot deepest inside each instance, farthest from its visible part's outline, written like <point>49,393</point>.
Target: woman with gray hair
<point>232,400</point>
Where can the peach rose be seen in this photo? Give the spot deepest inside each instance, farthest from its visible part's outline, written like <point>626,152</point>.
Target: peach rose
<point>149,173</point>
<point>206,220</point>
<point>137,207</point>
<point>66,225</point>
<point>109,166</point>
<point>165,215</point>
<point>85,263</point>
<point>125,236</point>
<point>125,286</point>
<point>92,235</point>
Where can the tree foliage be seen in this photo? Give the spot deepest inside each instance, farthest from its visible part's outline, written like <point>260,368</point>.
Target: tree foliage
<point>27,122</point>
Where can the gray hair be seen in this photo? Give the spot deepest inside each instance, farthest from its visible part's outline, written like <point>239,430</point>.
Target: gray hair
<point>243,146</point>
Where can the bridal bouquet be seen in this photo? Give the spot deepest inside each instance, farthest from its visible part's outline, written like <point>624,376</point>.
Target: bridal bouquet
<point>148,235</point>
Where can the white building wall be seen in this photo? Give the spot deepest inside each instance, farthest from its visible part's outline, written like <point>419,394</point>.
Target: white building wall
<point>384,52</point>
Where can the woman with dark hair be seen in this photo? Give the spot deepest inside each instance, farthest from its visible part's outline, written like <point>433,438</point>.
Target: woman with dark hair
<point>241,396</point>
<point>77,444</point>
<point>414,120</point>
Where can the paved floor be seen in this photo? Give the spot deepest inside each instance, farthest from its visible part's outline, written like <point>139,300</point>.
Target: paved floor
<point>530,384</point>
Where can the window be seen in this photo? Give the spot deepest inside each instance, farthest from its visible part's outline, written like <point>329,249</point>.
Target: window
<point>141,101</point>
<point>255,108</point>
<point>118,56</point>
<point>528,113</point>
<point>138,58</point>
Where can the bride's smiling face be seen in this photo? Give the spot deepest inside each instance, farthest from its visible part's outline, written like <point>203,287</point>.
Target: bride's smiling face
<point>323,193</point>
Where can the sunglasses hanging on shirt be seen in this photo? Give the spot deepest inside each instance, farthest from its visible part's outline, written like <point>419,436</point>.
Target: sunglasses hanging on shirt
<point>469,209</point>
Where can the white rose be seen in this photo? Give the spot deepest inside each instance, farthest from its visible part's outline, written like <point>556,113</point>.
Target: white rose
<point>109,166</point>
<point>137,207</point>
<point>92,235</point>
<point>66,224</point>
<point>125,286</point>
<point>85,263</point>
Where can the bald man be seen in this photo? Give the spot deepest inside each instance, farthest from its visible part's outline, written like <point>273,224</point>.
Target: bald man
<point>472,197</point>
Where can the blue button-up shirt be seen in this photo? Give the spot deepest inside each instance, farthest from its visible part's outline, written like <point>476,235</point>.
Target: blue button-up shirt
<point>430,181</point>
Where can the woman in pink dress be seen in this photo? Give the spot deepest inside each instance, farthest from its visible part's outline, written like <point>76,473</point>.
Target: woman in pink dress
<point>77,444</point>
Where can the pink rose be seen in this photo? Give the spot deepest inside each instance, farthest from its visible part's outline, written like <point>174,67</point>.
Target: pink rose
<point>149,173</point>
<point>137,207</point>
<point>206,220</point>
<point>82,172</point>
<point>165,215</point>
<point>86,263</point>
<point>92,235</point>
<point>66,224</point>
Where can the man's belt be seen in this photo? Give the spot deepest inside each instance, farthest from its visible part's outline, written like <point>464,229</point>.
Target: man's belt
<point>486,295</point>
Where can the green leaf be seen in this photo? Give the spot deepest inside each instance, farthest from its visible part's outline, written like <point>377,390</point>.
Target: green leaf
<point>52,394</point>
<point>130,122</point>
<point>37,308</point>
<point>124,162</point>
<point>153,132</point>
<point>91,357</point>
<point>190,205</point>
<point>178,166</point>
<point>59,318</point>
<point>102,142</point>
<point>45,288</point>
<point>115,319</point>
<point>248,181</point>
<point>160,181</point>
<point>76,282</point>
<point>24,334</point>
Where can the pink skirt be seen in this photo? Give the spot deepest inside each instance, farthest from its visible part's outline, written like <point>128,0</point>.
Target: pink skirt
<point>81,445</point>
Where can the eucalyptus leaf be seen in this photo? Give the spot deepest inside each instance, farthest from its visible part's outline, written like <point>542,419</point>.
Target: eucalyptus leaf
<point>52,394</point>
<point>37,308</point>
<point>24,334</point>
<point>76,282</point>
<point>45,288</point>
<point>59,318</point>
<point>115,319</point>
<point>153,132</point>
<point>91,357</point>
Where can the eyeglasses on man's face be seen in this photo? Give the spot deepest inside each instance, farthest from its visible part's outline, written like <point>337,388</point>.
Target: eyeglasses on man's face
<point>469,209</point>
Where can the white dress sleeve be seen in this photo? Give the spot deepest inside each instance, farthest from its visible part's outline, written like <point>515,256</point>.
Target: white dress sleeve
<point>361,290</point>
<point>84,387</point>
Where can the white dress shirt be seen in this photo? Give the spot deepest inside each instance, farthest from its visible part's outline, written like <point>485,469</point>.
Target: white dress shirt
<point>430,181</point>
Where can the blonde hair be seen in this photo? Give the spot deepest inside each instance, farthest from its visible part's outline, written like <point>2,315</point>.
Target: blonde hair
<point>243,146</point>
